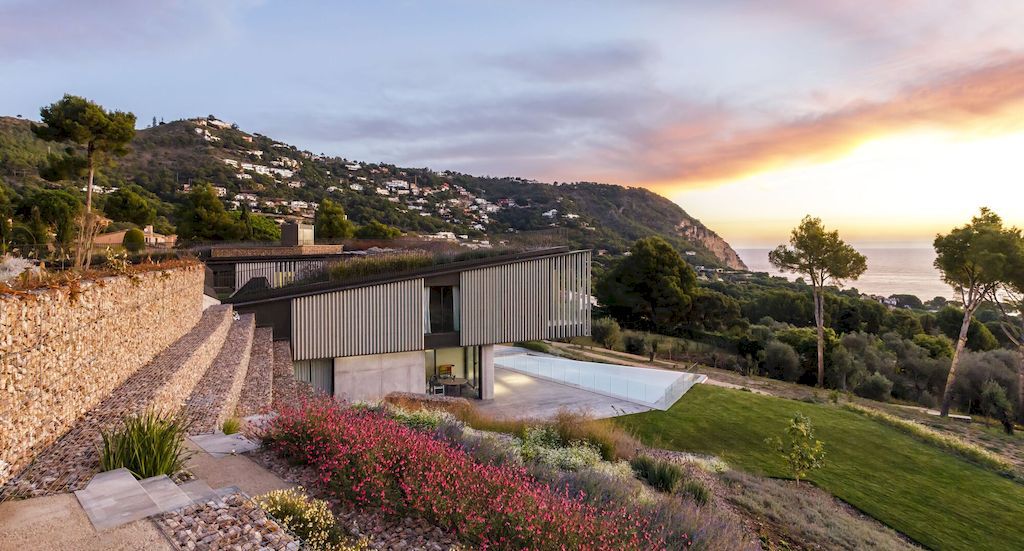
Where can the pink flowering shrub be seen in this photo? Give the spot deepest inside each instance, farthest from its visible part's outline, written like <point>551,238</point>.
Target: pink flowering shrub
<point>367,459</point>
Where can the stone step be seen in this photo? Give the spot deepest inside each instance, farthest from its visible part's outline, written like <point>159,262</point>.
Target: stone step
<point>257,391</point>
<point>163,385</point>
<point>165,493</point>
<point>287,389</point>
<point>215,397</point>
<point>198,491</point>
<point>114,498</point>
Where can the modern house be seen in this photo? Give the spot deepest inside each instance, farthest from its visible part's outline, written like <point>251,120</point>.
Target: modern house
<point>430,329</point>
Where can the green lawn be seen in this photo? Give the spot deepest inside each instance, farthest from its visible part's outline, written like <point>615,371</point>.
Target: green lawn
<point>937,499</point>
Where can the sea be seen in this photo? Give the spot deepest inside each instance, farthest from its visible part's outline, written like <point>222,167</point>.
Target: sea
<point>890,271</point>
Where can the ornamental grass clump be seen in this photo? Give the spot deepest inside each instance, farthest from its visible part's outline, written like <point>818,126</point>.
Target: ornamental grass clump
<point>662,475</point>
<point>366,459</point>
<point>149,444</point>
<point>231,425</point>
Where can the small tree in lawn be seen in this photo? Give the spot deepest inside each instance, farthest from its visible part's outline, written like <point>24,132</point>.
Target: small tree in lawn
<point>102,133</point>
<point>800,450</point>
<point>976,259</point>
<point>823,257</point>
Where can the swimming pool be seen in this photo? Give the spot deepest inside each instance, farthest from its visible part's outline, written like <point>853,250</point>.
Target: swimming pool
<point>656,388</point>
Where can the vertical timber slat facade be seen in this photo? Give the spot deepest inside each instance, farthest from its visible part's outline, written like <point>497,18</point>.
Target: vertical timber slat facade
<point>375,319</point>
<point>546,298</point>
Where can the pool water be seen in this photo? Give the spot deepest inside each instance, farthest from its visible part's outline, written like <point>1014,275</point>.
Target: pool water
<point>656,388</point>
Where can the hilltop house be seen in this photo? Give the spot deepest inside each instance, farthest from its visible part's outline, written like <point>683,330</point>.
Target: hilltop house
<point>153,239</point>
<point>431,329</point>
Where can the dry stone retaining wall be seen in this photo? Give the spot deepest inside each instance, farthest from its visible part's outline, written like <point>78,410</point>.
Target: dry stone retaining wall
<point>63,350</point>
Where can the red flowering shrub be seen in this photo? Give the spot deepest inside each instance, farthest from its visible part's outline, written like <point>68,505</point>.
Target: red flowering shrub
<point>369,460</point>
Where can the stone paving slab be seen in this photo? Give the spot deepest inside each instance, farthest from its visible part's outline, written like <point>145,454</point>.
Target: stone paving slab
<point>165,493</point>
<point>198,491</point>
<point>115,498</point>
<point>235,470</point>
<point>58,523</point>
<point>219,444</point>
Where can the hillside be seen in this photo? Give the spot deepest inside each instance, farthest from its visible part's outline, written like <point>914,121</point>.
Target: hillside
<point>282,181</point>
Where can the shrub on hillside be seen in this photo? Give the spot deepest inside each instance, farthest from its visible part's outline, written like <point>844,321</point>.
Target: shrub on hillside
<point>611,440</point>
<point>995,404</point>
<point>606,332</point>
<point>782,362</point>
<point>637,343</point>
<point>874,387</point>
<point>366,459</point>
<point>149,444</point>
<point>697,491</point>
<point>536,346</point>
<point>543,445</point>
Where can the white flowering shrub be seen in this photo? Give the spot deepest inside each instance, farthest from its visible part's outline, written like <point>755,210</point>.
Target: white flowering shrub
<point>309,519</point>
<point>420,419</point>
<point>543,445</point>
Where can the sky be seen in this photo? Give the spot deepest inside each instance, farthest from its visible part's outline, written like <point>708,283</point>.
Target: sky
<point>891,120</point>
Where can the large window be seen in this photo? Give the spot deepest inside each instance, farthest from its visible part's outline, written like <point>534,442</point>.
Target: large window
<point>442,309</point>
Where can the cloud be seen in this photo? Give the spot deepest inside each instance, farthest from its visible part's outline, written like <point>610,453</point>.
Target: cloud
<point>550,132</point>
<point>31,29</point>
<point>559,65</point>
<point>711,150</point>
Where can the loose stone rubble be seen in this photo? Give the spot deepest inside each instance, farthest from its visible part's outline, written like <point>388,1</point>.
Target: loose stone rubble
<point>232,522</point>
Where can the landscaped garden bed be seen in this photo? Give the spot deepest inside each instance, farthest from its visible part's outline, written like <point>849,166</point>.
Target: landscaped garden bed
<point>521,485</point>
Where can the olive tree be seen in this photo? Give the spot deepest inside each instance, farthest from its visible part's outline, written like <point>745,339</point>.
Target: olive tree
<point>976,259</point>
<point>1010,299</point>
<point>824,258</point>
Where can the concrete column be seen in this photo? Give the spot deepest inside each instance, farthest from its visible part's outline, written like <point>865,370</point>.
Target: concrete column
<point>487,371</point>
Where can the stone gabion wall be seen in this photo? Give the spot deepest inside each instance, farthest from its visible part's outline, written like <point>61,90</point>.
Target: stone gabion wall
<point>63,350</point>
